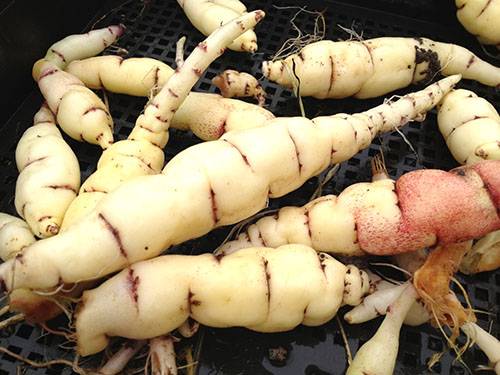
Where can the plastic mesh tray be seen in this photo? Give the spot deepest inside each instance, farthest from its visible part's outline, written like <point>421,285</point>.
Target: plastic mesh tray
<point>152,31</point>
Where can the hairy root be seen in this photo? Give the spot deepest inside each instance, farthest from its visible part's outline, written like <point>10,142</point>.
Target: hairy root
<point>432,282</point>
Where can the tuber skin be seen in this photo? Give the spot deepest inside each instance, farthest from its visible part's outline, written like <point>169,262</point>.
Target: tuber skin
<point>79,111</point>
<point>290,285</point>
<point>480,18</point>
<point>79,46</point>
<point>421,209</point>
<point>471,127</point>
<point>261,163</point>
<point>374,67</point>
<point>232,83</point>
<point>208,15</point>
<point>49,175</point>
<point>15,235</point>
<point>141,154</point>
<point>208,116</point>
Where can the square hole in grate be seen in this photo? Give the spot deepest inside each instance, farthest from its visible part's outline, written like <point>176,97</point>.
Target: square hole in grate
<point>24,331</point>
<point>13,349</point>
<point>410,359</point>
<point>482,294</point>
<point>434,344</point>
<point>457,370</point>
<point>413,337</point>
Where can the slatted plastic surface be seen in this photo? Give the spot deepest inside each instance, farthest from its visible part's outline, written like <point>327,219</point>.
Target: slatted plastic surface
<point>153,31</point>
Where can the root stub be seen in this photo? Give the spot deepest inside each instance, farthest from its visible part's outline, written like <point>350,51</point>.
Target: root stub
<point>432,282</point>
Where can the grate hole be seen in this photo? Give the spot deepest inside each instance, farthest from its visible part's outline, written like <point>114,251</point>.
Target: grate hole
<point>482,294</point>
<point>24,331</point>
<point>434,344</point>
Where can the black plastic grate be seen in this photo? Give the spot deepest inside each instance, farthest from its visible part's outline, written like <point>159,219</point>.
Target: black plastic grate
<point>152,31</point>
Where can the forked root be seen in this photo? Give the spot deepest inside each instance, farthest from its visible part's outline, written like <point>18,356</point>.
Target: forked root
<point>162,355</point>
<point>432,282</point>
<point>378,355</point>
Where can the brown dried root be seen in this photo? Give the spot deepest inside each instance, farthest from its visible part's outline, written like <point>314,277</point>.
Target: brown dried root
<point>162,355</point>
<point>232,83</point>
<point>294,45</point>
<point>432,282</point>
<point>73,364</point>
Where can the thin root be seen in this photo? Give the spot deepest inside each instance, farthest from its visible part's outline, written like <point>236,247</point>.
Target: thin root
<point>294,45</point>
<point>346,342</point>
<point>12,320</point>
<point>73,364</point>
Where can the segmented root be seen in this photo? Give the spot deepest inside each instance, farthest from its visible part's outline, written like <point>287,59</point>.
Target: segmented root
<point>432,282</point>
<point>162,355</point>
<point>117,363</point>
<point>12,320</point>
<point>73,364</point>
<point>294,45</point>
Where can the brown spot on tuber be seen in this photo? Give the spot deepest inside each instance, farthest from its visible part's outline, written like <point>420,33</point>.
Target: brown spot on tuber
<point>47,73</point>
<point>192,302</point>
<point>484,8</point>
<point>268,278</point>
<point>133,282</point>
<point>116,234</point>
<point>214,206</point>
<point>172,93</point>
<point>332,74</point>
<point>64,187</point>
<point>35,160</point>
<point>58,54</point>
<point>203,46</point>
<point>308,223</point>
<point>244,157</point>
<point>297,153</point>
<point>42,218</point>
<point>93,109</point>
<point>471,61</point>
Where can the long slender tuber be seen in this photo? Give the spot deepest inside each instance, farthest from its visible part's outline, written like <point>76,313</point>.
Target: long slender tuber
<point>141,154</point>
<point>374,67</point>
<point>128,224</point>
<point>421,209</point>
<point>208,15</point>
<point>290,285</point>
